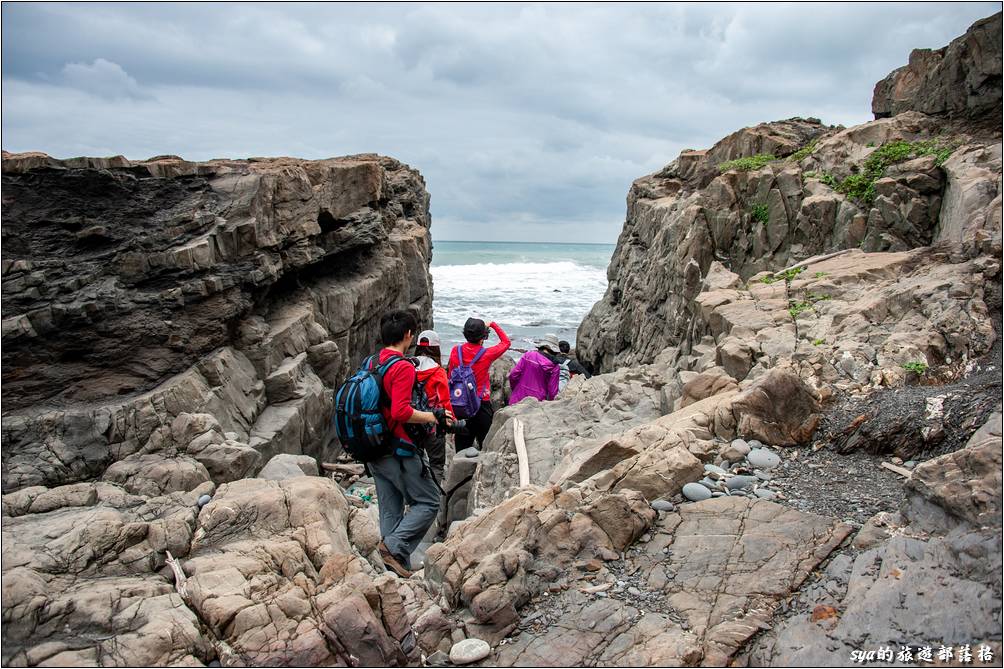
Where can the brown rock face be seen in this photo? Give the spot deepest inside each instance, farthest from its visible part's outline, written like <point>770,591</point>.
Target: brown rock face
<point>962,79</point>
<point>137,291</point>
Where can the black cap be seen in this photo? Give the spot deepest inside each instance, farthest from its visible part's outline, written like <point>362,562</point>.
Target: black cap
<point>475,330</point>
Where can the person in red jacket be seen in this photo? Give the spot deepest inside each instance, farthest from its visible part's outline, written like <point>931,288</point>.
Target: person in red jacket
<point>400,476</point>
<point>432,374</point>
<point>476,332</point>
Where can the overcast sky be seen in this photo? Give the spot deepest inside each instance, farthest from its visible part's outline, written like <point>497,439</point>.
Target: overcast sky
<point>529,122</point>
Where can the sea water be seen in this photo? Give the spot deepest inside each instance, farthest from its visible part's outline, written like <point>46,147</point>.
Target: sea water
<point>530,289</point>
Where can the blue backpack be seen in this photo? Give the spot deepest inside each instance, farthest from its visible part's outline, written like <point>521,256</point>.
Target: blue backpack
<point>359,423</point>
<point>465,396</point>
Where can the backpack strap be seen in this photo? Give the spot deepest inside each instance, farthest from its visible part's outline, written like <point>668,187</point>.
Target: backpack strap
<point>460,354</point>
<point>381,371</point>
<point>478,356</point>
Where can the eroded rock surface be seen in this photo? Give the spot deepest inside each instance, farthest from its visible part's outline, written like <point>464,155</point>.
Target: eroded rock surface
<point>134,292</point>
<point>713,571</point>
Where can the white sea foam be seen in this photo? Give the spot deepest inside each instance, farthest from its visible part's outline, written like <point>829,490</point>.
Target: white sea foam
<point>546,295</point>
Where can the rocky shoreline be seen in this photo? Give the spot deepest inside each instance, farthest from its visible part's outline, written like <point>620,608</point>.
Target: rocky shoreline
<point>787,311</point>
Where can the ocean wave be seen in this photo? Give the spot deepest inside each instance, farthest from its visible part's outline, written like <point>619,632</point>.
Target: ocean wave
<point>521,294</point>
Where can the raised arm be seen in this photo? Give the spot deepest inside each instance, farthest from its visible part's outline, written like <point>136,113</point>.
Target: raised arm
<point>496,351</point>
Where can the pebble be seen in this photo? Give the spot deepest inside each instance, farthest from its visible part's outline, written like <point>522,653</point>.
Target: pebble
<point>715,469</point>
<point>910,464</point>
<point>740,482</point>
<point>696,492</point>
<point>763,476</point>
<point>469,650</point>
<point>469,452</point>
<point>205,499</point>
<point>663,505</point>
<point>740,445</point>
<point>753,443</point>
<point>719,494</point>
<point>764,493</point>
<point>764,459</point>
<point>708,483</point>
<point>634,591</point>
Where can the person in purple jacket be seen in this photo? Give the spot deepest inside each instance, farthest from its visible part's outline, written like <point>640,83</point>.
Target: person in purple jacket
<point>537,373</point>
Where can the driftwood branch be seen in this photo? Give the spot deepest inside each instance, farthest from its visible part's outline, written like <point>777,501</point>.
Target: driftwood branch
<point>344,468</point>
<point>812,260</point>
<point>902,471</point>
<point>524,462</point>
<point>180,580</point>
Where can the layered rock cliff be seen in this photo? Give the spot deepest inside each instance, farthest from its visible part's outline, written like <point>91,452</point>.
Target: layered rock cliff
<point>137,291</point>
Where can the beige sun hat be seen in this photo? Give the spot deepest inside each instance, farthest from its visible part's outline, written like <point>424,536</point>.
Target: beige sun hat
<point>548,341</point>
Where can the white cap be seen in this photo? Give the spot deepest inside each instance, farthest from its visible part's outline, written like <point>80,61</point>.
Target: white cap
<point>427,338</point>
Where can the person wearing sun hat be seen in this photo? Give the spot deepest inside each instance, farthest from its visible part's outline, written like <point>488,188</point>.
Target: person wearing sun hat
<point>537,373</point>
<point>431,373</point>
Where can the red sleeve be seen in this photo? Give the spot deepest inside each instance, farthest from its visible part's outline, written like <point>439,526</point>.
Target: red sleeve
<point>443,390</point>
<point>400,379</point>
<point>495,352</point>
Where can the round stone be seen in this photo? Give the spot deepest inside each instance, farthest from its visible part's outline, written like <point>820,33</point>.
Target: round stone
<point>696,492</point>
<point>764,459</point>
<point>753,443</point>
<point>764,493</point>
<point>714,469</point>
<point>740,482</point>
<point>663,505</point>
<point>718,494</point>
<point>708,483</point>
<point>740,446</point>
<point>910,464</point>
<point>205,499</point>
<point>469,650</point>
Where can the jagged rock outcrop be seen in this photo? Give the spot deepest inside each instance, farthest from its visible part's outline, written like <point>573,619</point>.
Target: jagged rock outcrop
<point>134,292</point>
<point>962,79</point>
<point>912,180</point>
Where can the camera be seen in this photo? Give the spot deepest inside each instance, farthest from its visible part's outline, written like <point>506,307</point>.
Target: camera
<point>459,425</point>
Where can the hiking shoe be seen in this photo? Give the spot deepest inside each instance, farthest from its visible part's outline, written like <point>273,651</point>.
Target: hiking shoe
<point>391,562</point>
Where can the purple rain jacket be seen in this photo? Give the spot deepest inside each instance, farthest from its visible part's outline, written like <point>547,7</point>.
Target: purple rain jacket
<point>533,376</point>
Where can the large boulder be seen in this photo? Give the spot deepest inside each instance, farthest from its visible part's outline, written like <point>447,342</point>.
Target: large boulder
<point>962,79</point>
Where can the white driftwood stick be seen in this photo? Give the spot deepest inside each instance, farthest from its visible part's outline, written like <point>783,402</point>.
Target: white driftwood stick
<point>813,260</point>
<point>180,580</point>
<point>524,462</point>
<point>348,468</point>
<point>902,471</point>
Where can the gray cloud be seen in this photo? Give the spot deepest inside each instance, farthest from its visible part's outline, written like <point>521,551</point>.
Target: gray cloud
<point>527,121</point>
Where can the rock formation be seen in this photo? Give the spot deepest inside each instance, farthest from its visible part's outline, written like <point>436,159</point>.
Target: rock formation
<point>136,292</point>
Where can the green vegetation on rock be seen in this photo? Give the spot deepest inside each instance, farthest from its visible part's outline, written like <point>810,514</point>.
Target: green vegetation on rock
<point>915,366</point>
<point>803,152</point>
<point>747,164</point>
<point>760,213</point>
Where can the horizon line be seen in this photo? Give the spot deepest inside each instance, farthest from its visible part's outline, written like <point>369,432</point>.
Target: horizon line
<point>518,241</point>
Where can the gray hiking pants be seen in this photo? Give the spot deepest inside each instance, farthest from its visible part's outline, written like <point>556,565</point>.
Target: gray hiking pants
<point>399,481</point>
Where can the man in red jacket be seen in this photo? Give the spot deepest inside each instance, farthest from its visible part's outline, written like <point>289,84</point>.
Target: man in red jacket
<point>400,476</point>
<point>475,332</point>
